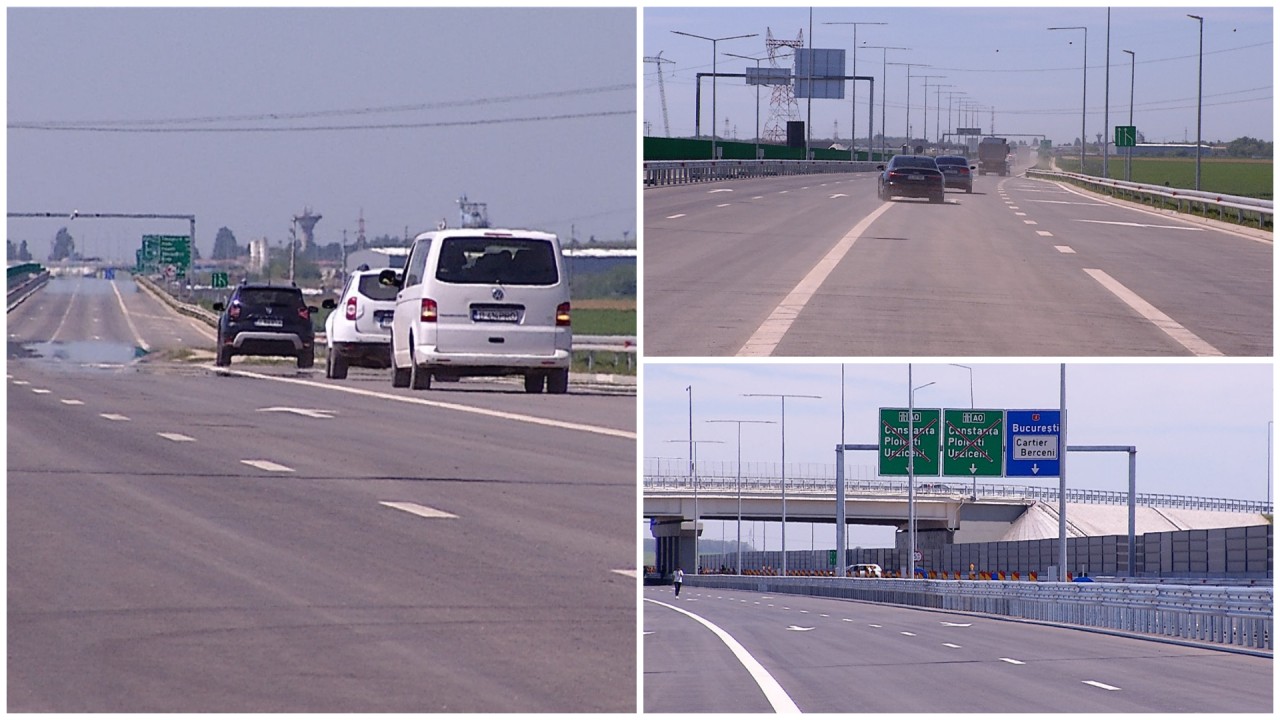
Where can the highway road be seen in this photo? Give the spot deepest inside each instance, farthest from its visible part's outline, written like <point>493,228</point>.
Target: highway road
<point>828,655</point>
<point>262,539</point>
<point>818,266</point>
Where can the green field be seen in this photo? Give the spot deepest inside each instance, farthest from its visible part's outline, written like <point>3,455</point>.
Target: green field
<point>1248,178</point>
<point>604,321</point>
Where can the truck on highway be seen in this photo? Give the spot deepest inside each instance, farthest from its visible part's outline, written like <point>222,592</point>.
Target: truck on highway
<point>993,156</point>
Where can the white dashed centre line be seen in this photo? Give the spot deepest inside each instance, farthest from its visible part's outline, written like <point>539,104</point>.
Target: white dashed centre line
<point>1065,249</point>
<point>1030,222</point>
<point>72,402</point>
<point>40,391</point>
<point>673,217</point>
<point>723,205</point>
<point>1168,325</point>
<point>950,645</point>
<point>176,437</point>
<point>1019,214</point>
<point>419,510</point>
<point>1097,684</point>
<point>21,382</point>
<point>1011,661</point>
<point>875,626</point>
<point>267,465</point>
<point>113,416</point>
<point>908,634</point>
<point>1044,233</point>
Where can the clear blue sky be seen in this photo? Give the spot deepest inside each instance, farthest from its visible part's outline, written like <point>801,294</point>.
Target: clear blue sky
<point>1200,428</point>
<point>1001,57</point>
<point>475,78</point>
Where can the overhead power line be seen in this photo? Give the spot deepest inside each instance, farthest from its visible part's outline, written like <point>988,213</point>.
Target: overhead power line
<point>316,128</point>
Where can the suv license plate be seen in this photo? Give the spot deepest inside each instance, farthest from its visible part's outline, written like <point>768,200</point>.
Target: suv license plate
<point>495,315</point>
<point>269,322</point>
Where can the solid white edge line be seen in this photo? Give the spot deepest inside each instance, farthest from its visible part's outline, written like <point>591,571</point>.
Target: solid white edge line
<point>1107,201</point>
<point>625,434</point>
<point>129,319</point>
<point>1168,325</point>
<point>420,510</point>
<point>773,692</point>
<point>766,338</point>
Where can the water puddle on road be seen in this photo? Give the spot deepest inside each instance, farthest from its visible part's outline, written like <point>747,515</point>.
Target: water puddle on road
<point>96,354</point>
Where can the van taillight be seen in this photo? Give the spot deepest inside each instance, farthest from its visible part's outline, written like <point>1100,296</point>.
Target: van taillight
<point>562,315</point>
<point>351,308</point>
<point>429,310</point>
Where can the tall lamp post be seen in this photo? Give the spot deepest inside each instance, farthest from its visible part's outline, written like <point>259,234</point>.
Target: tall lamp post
<point>784,462</point>
<point>884,82</point>
<point>713,42</point>
<point>908,122</point>
<point>757,62</point>
<point>1199,96</point>
<point>937,113</point>
<point>1085,88</point>
<point>739,473</point>
<point>853,96</point>
<point>924,134</point>
<point>693,456</point>
<point>1128,152</point>
<point>911,473</point>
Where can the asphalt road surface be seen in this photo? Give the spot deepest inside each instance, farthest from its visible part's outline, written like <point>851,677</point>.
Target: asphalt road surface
<point>816,265</point>
<point>182,539</point>
<point>828,655</point>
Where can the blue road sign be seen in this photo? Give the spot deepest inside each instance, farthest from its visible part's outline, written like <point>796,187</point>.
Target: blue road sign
<point>109,274</point>
<point>1033,440</point>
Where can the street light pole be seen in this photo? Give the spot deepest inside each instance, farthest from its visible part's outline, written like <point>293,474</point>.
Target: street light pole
<point>937,113</point>
<point>924,134</point>
<point>757,62</point>
<point>1085,88</point>
<point>911,472</point>
<point>784,463</point>
<point>853,95</point>
<point>693,475</point>
<point>1128,152</point>
<point>908,123</point>
<point>739,473</point>
<point>1199,97</point>
<point>713,80</point>
<point>884,85</point>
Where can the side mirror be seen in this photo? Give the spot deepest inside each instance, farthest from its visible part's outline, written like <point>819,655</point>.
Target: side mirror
<point>879,167</point>
<point>219,307</point>
<point>313,309</point>
<point>329,304</point>
<point>390,278</point>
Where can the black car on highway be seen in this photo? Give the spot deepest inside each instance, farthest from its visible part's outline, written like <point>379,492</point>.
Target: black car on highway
<point>956,171</point>
<point>911,176</point>
<point>265,320</point>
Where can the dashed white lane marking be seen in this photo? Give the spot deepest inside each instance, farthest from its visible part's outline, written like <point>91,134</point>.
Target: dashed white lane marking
<point>1069,202</point>
<point>673,217</point>
<point>837,195</point>
<point>846,619</point>
<point>908,634</point>
<point>806,612</point>
<point>65,401</point>
<point>1168,325</point>
<point>1020,214</point>
<point>113,416</point>
<point>773,692</point>
<point>1011,661</point>
<point>21,382</point>
<point>1044,233</point>
<point>648,632</point>
<point>950,645</point>
<point>771,332</point>
<point>720,190</point>
<point>267,465</point>
<point>784,192</point>
<point>797,628</point>
<point>1030,222</point>
<point>875,626</point>
<point>1097,684</point>
<point>419,510</point>
<point>723,205</point>
<point>944,623</point>
<point>176,437</point>
<point>823,615</point>
<point>1065,249</point>
<point>758,197</point>
<point>41,391</point>
<point>305,412</point>
<point>530,419</point>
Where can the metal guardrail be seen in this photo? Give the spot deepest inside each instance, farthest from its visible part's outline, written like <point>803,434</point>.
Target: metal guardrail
<point>1229,616</point>
<point>941,489</point>
<point>679,172</point>
<point>1151,194</point>
<point>22,291</point>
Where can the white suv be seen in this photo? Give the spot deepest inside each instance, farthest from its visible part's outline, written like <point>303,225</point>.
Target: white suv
<point>358,331</point>
<point>482,301</point>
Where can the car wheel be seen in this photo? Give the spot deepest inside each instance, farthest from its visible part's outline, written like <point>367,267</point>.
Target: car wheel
<point>558,382</point>
<point>969,189</point>
<point>399,378</point>
<point>336,366</point>
<point>938,198</point>
<point>307,358</point>
<point>419,377</point>
<point>534,382</point>
<point>224,356</point>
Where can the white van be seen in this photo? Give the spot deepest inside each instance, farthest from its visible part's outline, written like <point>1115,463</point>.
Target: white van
<point>482,301</point>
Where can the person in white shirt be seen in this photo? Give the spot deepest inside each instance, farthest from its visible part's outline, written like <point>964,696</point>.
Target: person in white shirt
<point>678,578</point>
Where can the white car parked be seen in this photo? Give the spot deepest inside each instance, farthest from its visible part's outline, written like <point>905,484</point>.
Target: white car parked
<point>358,331</point>
<point>482,302</point>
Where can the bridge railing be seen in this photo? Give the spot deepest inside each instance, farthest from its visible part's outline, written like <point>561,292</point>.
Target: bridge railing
<point>934,487</point>
<point>679,172</point>
<point>1242,207</point>
<point>1239,617</point>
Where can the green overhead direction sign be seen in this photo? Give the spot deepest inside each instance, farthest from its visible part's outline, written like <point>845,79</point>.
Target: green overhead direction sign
<point>1126,136</point>
<point>893,440</point>
<point>160,252</point>
<point>973,443</point>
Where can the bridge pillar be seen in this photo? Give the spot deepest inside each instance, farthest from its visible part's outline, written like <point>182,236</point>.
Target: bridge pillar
<point>675,546</point>
<point>930,543</point>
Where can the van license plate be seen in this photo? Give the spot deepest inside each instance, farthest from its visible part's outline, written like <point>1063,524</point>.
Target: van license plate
<point>502,315</point>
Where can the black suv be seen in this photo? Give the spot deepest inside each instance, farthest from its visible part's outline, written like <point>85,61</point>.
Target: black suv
<point>266,320</point>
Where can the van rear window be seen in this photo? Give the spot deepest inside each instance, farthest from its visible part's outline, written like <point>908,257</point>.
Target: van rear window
<point>374,290</point>
<point>504,261</point>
